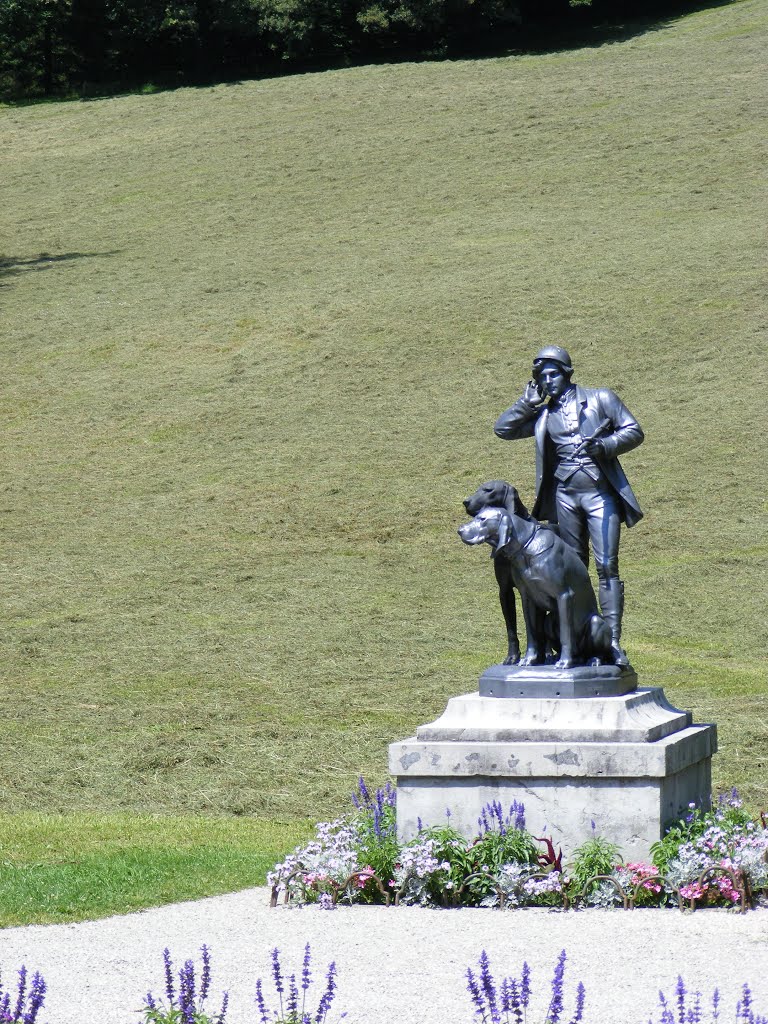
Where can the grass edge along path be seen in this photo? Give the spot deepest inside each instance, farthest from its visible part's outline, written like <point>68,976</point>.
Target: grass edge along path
<point>57,869</point>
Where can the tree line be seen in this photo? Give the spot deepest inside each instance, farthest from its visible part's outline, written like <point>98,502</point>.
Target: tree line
<point>66,47</point>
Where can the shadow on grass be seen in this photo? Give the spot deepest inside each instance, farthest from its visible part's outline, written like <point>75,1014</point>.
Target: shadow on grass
<point>11,266</point>
<point>602,23</point>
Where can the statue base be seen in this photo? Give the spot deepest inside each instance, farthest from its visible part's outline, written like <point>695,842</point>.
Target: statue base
<point>621,766</point>
<point>547,681</point>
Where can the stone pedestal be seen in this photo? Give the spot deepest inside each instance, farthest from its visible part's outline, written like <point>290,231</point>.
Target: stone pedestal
<point>629,762</point>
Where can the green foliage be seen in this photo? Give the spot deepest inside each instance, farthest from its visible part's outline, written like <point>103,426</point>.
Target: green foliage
<point>492,849</point>
<point>378,848</point>
<point>174,1015</point>
<point>454,854</point>
<point>462,859</point>
<point>597,856</point>
<point>35,46</point>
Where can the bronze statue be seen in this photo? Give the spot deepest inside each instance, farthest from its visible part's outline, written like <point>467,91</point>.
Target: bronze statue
<point>580,485</point>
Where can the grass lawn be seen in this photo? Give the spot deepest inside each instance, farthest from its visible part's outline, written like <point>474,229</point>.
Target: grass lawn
<point>74,867</point>
<point>254,340</point>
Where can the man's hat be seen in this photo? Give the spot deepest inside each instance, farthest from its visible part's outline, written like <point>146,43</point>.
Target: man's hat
<point>552,354</point>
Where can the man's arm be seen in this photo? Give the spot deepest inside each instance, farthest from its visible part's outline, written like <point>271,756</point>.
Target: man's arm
<point>520,419</point>
<point>626,433</point>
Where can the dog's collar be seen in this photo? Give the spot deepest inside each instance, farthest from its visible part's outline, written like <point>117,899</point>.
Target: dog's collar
<point>536,535</point>
<point>517,545</point>
<point>536,531</point>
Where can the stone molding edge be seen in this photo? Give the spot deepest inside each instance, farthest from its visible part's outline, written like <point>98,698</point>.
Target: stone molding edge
<point>412,758</point>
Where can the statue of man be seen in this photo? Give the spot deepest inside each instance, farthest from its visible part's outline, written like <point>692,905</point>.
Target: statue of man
<point>579,483</point>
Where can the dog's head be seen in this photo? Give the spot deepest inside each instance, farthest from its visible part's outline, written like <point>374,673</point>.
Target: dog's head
<point>490,525</point>
<point>496,494</point>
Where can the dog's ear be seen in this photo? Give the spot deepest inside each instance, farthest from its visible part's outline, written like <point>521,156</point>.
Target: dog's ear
<point>520,508</point>
<point>503,532</point>
<point>514,503</point>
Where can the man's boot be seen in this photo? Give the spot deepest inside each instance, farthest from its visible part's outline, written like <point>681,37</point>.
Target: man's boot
<point>611,593</point>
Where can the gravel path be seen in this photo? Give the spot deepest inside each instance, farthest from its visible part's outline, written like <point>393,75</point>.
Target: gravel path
<point>396,965</point>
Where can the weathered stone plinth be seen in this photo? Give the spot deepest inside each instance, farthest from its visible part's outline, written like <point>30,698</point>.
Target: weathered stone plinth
<point>630,763</point>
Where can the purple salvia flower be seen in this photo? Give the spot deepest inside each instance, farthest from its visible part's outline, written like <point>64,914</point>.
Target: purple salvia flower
<point>696,1017</point>
<point>327,997</point>
<point>447,812</point>
<point>169,987</point>
<point>715,1006</point>
<point>205,980</point>
<point>36,998</point>
<point>150,1001</point>
<point>556,1002</point>
<point>505,994</point>
<point>525,985</point>
<point>278,976</point>
<point>276,971</point>
<point>474,990</point>
<point>744,1005</point>
<point>667,1017</point>
<point>223,1011</point>
<point>355,802</point>
<point>306,977</point>
<point>489,987</point>
<point>515,1004</point>
<point>260,1004</point>
<point>292,1005</point>
<point>187,992</point>
<point>419,825</point>
<point>377,821</point>
<point>680,993</point>
<point>519,816</point>
<point>22,990</point>
<point>580,995</point>
<point>364,790</point>
<point>187,980</point>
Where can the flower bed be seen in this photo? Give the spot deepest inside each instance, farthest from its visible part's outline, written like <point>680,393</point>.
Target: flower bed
<point>717,858</point>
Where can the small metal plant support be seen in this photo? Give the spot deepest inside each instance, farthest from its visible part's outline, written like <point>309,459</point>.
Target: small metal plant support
<point>453,898</point>
<point>298,873</point>
<point>667,885</point>
<point>539,874</point>
<point>607,878</point>
<point>371,877</point>
<point>739,883</point>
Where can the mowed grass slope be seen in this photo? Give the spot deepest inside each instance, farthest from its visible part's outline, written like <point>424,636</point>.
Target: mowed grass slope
<point>254,341</point>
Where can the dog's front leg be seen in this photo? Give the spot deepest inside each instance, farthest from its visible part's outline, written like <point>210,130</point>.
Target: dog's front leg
<point>507,601</point>
<point>535,647</point>
<point>567,635</point>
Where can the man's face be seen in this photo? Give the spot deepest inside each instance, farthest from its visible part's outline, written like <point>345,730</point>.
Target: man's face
<point>552,380</point>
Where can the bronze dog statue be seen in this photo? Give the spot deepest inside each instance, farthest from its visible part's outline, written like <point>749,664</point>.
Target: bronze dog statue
<point>500,494</point>
<point>559,605</point>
